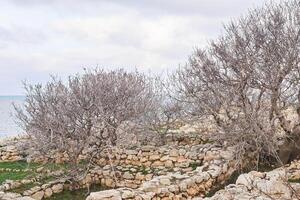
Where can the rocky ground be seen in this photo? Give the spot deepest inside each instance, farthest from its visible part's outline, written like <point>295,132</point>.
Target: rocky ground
<point>183,168</point>
<point>279,184</point>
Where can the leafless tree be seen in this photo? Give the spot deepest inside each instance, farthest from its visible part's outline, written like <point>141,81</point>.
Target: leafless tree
<point>247,78</point>
<point>86,111</point>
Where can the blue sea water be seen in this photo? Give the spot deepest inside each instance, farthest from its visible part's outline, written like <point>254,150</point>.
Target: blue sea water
<point>8,127</point>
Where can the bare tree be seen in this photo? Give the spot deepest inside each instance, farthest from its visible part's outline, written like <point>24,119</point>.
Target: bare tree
<point>247,78</point>
<point>85,112</point>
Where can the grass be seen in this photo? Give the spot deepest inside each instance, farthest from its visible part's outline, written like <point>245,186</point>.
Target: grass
<point>294,180</point>
<point>144,170</point>
<point>80,194</point>
<point>13,175</point>
<point>207,141</point>
<point>31,173</point>
<point>22,165</point>
<point>194,165</point>
<point>18,165</point>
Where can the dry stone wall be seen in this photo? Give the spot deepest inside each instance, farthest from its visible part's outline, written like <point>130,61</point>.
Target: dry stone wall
<point>160,172</point>
<point>280,184</point>
<point>216,167</point>
<point>12,149</point>
<point>18,148</point>
<point>183,168</point>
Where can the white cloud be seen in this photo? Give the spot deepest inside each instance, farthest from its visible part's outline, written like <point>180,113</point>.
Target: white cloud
<point>63,36</point>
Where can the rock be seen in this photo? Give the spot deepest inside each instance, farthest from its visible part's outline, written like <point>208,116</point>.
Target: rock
<point>183,186</point>
<point>276,175</point>
<point>35,189</point>
<point>173,153</point>
<point>169,164</point>
<point>10,195</point>
<point>109,182</point>
<point>179,176</point>
<point>149,186</point>
<point>157,164</point>
<point>45,186</point>
<point>148,196</point>
<point>143,159</point>
<point>164,158</point>
<point>147,148</point>
<point>258,174</point>
<point>57,188</point>
<point>148,177</point>
<point>38,195</point>
<point>227,155</point>
<point>106,194</point>
<point>181,159</point>
<point>192,191</point>
<point>24,198</point>
<point>211,156</point>
<point>128,176</point>
<point>246,180</point>
<point>131,152</point>
<point>139,176</point>
<point>11,148</point>
<point>182,152</point>
<point>40,169</point>
<point>128,194</point>
<point>274,188</point>
<point>87,179</point>
<point>48,193</point>
<point>154,157</point>
<point>164,181</point>
<point>198,179</point>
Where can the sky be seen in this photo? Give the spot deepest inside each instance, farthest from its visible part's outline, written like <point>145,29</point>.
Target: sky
<point>61,37</point>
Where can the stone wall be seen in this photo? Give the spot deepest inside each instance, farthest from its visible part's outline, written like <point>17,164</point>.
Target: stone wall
<point>133,167</point>
<point>280,184</point>
<point>216,167</point>
<point>184,167</point>
<point>175,157</point>
<point>11,149</point>
<point>18,148</point>
<point>181,170</point>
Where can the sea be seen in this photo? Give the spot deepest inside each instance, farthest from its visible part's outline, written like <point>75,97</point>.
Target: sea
<point>8,125</point>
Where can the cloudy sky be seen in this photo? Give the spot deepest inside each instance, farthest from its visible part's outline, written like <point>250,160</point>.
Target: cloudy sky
<point>61,37</point>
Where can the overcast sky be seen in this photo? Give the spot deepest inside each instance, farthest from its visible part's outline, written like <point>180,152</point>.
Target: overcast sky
<point>61,37</point>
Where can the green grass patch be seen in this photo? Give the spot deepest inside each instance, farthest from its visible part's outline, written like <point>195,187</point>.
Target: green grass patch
<point>22,165</point>
<point>54,167</point>
<point>206,141</point>
<point>13,176</point>
<point>18,165</point>
<point>194,165</point>
<point>144,170</point>
<point>80,194</point>
<point>294,180</point>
